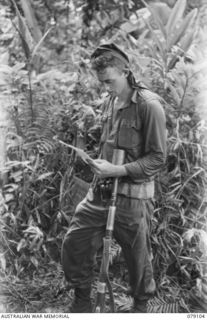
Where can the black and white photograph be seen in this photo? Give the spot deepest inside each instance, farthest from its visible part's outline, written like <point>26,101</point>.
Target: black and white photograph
<point>103,159</point>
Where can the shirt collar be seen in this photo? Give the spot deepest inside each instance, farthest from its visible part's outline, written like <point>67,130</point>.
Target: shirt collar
<point>127,104</point>
<point>134,96</point>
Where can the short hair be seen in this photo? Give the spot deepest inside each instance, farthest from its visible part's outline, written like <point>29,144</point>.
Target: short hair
<point>106,60</point>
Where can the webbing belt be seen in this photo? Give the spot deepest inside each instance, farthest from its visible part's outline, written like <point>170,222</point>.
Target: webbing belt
<point>137,191</point>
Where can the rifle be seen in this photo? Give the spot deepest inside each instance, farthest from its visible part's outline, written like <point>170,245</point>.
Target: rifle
<point>103,282</point>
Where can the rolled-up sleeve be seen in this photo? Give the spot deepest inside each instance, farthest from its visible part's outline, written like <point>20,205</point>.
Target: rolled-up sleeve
<point>155,136</point>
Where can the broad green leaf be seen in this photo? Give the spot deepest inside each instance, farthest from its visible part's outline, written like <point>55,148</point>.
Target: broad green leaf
<point>157,41</point>
<point>157,19</point>
<point>162,10</point>
<point>186,42</point>
<point>181,31</point>
<point>24,32</point>
<point>129,26</point>
<point>176,16</point>
<point>31,19</point>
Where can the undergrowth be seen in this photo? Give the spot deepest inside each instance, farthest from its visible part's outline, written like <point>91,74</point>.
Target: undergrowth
<point>38,199</point>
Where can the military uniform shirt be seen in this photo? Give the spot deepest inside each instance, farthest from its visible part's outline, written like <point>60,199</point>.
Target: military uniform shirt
<point>138,127</point>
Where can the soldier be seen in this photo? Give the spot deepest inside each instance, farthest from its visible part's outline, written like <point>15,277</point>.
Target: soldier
<point>133,120</point>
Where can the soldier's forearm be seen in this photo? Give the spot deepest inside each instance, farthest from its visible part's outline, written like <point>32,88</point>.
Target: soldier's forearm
<point>119,171</point>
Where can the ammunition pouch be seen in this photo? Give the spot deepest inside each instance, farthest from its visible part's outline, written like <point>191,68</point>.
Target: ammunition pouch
<point>104,187</point>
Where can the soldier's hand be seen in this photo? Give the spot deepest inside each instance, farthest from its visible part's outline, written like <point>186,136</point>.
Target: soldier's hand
<point>104,169</point>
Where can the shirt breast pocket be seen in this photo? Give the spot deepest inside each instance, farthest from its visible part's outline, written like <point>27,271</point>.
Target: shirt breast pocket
<point>128,135</point>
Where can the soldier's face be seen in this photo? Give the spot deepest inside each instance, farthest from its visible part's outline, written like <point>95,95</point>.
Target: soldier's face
<point>113,81</point>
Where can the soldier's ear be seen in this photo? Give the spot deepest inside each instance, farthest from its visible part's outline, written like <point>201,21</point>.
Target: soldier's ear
<point>126,72</point>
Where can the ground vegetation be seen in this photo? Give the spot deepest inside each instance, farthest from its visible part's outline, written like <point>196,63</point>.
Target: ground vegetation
<point>48,92</point>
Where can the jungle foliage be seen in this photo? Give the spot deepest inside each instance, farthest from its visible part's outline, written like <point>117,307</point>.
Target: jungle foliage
<point>50,92</point>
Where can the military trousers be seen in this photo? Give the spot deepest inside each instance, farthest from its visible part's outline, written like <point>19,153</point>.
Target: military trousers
<point>131,231</point>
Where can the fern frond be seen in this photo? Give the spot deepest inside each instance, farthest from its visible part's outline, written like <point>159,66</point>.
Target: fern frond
<point>159,305</point>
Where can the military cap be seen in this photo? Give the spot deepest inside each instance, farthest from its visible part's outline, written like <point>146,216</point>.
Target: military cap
<point>113,49</point>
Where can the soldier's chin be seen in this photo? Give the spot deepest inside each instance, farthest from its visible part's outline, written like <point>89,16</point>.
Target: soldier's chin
<point>112,93</point>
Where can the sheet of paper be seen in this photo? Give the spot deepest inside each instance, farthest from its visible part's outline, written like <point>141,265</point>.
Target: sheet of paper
<point>84,156</point>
